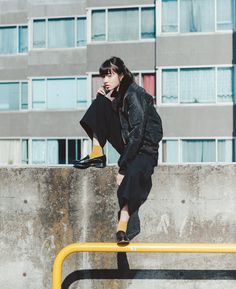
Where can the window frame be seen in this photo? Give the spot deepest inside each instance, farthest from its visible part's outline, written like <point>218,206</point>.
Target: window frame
<point>17,26</point>
<point>46,78</point>
<point>180,150</point>
<point>159,27</point>
<point>178,103</point>
<point>106,8</point>
<point>31,35</point>
<point>20,95</point>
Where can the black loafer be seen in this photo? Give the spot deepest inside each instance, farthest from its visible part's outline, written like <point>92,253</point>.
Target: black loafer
<point>99,162</point>
<point>122,238</point>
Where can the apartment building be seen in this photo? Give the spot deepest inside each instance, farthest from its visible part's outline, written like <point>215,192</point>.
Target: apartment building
<point>181,51</point>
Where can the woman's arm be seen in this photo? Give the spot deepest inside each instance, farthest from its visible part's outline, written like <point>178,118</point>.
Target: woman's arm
<point>137,117</point>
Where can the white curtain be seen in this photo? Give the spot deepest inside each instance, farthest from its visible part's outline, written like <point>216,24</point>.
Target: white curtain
<point>123,24</point>
<point>10,152</point>
<point>198,151</point>
<point>61,33</point>
<point>197,85</point>
<point>148,23</point>
<point>38,152</point>
<point>39,34</point>
<point>81,32</point>
<point>169,16</point>
<point>170,151</point>
<point>169,85</point>
<point>197,15</point>
<point>8,40</point>
<point>225,150</point>
<point>82,92</point>
<point>225,14</point>
<point>225,84</point>
<point>52,152</point>
<point>23,38</point>
<point>98,25</point>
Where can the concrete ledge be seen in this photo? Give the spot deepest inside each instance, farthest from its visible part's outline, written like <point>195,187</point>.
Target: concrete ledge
<point>45,209</point>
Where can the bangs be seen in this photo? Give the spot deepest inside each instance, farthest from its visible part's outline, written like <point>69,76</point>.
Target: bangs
<point>106,68</point>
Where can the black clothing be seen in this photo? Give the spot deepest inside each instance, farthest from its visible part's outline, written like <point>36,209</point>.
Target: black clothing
<point>141,126</point>
<point>132,126</point>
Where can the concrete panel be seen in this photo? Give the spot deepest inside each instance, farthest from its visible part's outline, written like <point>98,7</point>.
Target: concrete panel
<point>13,12</point>
<point>13,67</point>
<point>209,49</point>
<point>110,3</point>
<point>52,8</point>
<point>197,121</point>
<point>143,58</point>
<point>57,62</point>
<point>44,209</point>
<point>44,124</point>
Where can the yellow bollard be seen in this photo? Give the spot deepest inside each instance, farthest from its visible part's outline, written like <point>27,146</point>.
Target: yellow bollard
<point>134,247</point>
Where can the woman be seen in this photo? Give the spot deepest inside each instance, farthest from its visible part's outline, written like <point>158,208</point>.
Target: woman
<point>123,113</point>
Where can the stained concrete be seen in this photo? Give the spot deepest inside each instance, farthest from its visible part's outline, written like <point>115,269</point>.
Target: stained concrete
<point>44,209</point>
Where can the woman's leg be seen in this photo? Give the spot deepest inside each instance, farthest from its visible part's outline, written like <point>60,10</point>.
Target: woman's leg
<point>124,218</point>
<point>97,149</point>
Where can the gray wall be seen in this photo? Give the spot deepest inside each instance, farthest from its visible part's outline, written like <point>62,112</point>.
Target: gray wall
<point>42,210</point>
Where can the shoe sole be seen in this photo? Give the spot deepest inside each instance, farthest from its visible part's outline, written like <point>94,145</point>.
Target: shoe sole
<point>123,242</point>
<point>99,166</point>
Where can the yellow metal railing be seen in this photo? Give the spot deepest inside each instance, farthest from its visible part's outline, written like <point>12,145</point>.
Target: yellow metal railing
<point>134,247</point>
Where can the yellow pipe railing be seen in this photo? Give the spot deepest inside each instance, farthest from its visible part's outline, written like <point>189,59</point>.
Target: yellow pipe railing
<point>134,247</point>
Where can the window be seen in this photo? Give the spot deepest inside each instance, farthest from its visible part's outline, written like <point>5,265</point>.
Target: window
<point>169,85</point>
<point>197,85</point>
<point>61,32</point>
<point>25,151</point>
<point>59,93</point>
<point>39,34</point>
<point>13,39</point>
<point>170,152</point>
<point>56,151</point>
<point>10,152</point>
<point>10,95</point>
<point>225,84</point>
<point>149,83</point>
<point>198,151</point>
<point>169,15</point>
<point>197,16</point>
<point>23,39</point>
<point>112,154</point>
<point>98,25</point>
<point>123,24</point>
<point>24,95</point>
<point>225,15</point>
<point>227,150</point>
<point>81,32</point>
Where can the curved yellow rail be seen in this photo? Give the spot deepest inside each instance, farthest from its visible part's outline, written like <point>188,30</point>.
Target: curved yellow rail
<point>134,247</point>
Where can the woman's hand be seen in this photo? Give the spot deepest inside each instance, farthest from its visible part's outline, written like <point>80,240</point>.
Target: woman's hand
<point>119,179</point>
<point>102,91</point>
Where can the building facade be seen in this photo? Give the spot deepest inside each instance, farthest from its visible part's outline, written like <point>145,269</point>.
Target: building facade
<point>181,51</point>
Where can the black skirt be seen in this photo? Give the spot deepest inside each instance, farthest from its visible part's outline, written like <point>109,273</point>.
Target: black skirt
<point>100,119</point>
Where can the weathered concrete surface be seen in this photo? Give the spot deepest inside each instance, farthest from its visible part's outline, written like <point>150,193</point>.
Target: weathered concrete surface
<point>44,209</point>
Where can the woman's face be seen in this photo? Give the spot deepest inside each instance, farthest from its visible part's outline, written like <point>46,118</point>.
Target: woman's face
<point>111,80</point>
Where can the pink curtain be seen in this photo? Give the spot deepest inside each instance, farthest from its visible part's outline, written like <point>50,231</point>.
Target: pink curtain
<point>149,83</point>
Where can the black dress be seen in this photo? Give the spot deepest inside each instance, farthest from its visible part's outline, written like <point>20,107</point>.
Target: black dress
<point>103,121</point>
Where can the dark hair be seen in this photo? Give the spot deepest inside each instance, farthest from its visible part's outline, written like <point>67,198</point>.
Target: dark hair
<point>117,65</point>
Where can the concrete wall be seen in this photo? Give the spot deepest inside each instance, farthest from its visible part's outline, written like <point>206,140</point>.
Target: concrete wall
<point>44,209</point>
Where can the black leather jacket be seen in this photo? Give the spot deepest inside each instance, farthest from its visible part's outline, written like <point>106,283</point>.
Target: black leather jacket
<point>141,125</point>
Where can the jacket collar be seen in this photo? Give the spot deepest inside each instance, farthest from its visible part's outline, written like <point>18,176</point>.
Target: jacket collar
<point>119,95</point>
